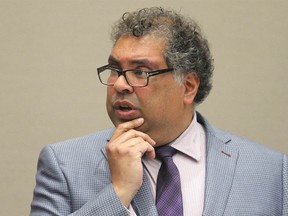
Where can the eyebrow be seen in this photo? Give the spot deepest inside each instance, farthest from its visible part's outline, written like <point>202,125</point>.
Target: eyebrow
<point>146,62</point>
<point>112,60</point>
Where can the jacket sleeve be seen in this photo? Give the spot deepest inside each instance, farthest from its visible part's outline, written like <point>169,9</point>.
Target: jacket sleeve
<point>285,185</point>
<point>52,196</point>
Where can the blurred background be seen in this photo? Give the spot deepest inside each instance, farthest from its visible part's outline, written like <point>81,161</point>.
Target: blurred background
<point>49,91</point>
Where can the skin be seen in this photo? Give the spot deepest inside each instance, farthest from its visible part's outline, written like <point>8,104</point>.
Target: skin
<point>157,113</point>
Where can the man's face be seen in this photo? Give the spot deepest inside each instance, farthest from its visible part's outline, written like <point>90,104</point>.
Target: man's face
<point>166,114</point>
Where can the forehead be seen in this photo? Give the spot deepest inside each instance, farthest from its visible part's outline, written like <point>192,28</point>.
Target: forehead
<point>147,48</point>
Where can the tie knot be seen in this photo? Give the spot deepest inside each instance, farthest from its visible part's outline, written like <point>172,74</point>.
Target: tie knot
<point>165,151</point>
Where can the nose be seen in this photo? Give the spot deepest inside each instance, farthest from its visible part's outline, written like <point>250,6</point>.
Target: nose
<point>121,85</point>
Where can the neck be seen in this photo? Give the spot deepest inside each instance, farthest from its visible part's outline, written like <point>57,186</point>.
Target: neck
<point>175,131</point>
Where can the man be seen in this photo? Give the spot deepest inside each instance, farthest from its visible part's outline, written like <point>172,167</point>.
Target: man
<point>159,69</point>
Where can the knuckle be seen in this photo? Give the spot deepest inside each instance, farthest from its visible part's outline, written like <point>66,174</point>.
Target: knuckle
<point>109,148</point>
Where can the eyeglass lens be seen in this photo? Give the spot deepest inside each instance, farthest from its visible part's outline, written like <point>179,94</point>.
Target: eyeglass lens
<point>133,77</point>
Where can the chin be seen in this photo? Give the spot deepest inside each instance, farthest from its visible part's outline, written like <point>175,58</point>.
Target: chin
<point>143,128</point>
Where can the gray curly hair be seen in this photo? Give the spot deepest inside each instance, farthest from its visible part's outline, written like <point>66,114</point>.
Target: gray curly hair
<point>186,50</point>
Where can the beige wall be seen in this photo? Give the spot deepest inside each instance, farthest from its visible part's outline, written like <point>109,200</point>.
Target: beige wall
<point>49,90</point>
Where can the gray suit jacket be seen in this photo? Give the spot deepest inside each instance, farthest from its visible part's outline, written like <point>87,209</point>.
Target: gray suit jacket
<point>242,178</point>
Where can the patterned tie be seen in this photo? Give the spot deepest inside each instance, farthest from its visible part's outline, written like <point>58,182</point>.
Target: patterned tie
<point>168,190</point>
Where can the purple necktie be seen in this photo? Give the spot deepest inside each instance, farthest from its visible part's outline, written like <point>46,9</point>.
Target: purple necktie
<point>168,190</point>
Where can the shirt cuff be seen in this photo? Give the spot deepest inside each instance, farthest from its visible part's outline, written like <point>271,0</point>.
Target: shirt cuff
<point>131,210</point>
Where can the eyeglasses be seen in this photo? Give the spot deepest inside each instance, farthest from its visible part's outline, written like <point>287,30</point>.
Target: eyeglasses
<point>135,78</point>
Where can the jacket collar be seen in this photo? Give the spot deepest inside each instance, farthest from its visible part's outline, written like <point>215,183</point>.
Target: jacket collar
<point>221,160</point>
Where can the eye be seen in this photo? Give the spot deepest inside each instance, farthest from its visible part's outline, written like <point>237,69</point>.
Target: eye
<point>139,73</point>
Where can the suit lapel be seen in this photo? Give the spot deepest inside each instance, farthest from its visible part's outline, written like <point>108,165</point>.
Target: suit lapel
<point>221,160</point>
<point>143,203</point>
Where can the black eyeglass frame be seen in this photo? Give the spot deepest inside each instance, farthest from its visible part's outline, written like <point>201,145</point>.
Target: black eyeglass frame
<point>123,72</point>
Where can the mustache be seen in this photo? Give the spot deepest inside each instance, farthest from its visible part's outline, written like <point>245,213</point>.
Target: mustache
<point>124,97</point>
<point>124,100</point>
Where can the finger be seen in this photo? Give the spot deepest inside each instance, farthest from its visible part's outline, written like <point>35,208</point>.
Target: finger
<point>131,134</point>
<point>134,133</point>
<point>150,152</point>
<point>142,147</point>
<point>126,126</point>
<point>130,124</point>
<point>135,147</point>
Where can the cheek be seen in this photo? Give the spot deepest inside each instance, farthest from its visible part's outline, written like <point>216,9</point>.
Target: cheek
<point>162,103</point>
<point>109,94</point>
<point>109,91</point>
<point>108,97</point>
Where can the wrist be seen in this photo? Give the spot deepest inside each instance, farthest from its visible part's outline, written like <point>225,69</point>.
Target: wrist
<point>125,195</point>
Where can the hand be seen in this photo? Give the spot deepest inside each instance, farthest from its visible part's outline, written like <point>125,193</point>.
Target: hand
<point>124,151</point>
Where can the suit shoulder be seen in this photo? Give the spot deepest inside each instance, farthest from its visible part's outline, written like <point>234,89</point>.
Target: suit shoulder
<point>243,144</point>
<point>248,146</point>
<point>83,144</point>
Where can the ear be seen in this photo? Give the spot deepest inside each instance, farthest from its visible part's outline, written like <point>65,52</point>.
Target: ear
<point>191,84</point>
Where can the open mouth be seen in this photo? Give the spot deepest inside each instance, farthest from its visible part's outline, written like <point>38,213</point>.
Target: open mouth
<point>124,108</point>
<point>123,105</point>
